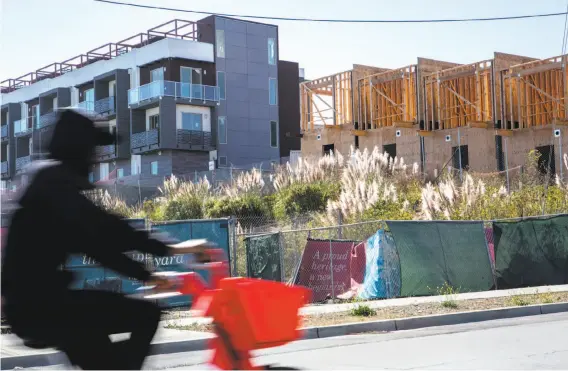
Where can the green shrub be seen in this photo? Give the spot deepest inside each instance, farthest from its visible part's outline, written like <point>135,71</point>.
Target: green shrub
<point>181,208</point>
<point>245,206</point>
<point>301,198</point>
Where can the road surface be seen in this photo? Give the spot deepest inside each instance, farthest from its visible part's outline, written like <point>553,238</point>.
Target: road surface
<point>539,342</point>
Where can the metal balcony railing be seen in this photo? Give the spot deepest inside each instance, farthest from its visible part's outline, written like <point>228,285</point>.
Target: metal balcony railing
<point>174,89</point>
<point>22,162</point>
<point>105,106</point>
<point>86,105</point>
<point>194,138</point>
<point>4,131</point>
<point>4,167</point>
<point>23,126</point>
<point>105,150</point>
<point>47,119</point>
<point>145,138</point>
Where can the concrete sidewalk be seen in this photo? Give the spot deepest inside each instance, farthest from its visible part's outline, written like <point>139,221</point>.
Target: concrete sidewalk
<point>12,346</point>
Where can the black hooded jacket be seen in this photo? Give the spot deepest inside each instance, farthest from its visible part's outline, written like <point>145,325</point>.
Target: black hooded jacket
<point>54,219</point>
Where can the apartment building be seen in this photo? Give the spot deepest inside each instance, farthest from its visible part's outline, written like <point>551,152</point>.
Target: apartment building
<point>184,97</point>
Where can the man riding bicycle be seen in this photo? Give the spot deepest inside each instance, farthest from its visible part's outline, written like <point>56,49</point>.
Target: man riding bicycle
<point>55,220</point>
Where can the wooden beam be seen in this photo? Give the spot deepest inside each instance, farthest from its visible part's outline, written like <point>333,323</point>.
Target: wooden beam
<point>504,132</point>
<point>404,124</point>
<point>336,127</point>
<point>479,124</point>
<point>560,122</point>
<point>359,133</point>
<point>425,133</point>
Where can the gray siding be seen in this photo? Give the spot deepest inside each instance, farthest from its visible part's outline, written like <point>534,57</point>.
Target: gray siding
<point>168,130</point>
<point>247,102</point>
<point>123,113</point>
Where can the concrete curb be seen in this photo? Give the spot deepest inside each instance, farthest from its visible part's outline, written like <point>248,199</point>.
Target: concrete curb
<point>54,358</point>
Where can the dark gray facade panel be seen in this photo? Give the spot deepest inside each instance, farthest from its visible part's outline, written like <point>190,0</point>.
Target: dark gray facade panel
<point>122,113</point>
<point>168,130</point>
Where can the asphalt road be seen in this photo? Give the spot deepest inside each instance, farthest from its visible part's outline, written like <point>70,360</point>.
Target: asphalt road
<point>539,342</point>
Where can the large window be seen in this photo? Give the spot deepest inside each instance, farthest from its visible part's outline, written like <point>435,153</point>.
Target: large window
<point>120,173</point>
<point>222,129</point>
<point>35,112</point>
<point>221,84</point>
<point>220,42</point>
<point>271,51</point>
<point>157,74</point>
<point>191,121</point>
<point>153,122</point>
<point>103,171</point>
<point>191,75</point>
<point>154,167</point>
<point>135,164</point>
<point>272,92</point>
<point>273,134</point>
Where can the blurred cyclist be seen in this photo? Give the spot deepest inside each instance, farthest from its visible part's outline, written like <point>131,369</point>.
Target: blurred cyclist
<point>54,220</point>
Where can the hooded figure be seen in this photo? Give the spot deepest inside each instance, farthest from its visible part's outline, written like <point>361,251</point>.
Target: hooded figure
<point>54,220</point>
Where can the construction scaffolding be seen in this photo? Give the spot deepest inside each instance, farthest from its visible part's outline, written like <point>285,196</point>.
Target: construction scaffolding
<point>327,101</point>
<point>534,94</point>
<point>460,96</point>
<point>387,98</point>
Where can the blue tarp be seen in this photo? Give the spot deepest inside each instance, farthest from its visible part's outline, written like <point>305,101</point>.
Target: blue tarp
<point>382,271</point>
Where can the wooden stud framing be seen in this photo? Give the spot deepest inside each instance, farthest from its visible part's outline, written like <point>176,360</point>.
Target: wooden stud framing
<point>388,97</point>
<point>537,93</point>
<point>326,102</point>
<point>460,95</point>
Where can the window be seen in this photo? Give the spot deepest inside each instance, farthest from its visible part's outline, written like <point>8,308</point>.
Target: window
<point>456,151</point>
<point>222,129</point>
<point>54,103</point>
<point>157,74</point>
<point>119,173</point>
<point>222,160</point>
<point>390,149</point>
<point>271,51</point>
<point>112,88</point>
<point>35,113</point>
<point>191,121</point>
<point>191,75</point>
<point>135,164</point>
<point>89,95</point>
<point>3,185</point>
<point>91,177</point>
<point>272,92</point>
<point>154,166</point>
<point>221,84</point>
<point>103,171</point>
<point>328,149</point>
<point>547,160</point>
<point>153,122</point>
<point>273,134</point>
<point>220,42</point>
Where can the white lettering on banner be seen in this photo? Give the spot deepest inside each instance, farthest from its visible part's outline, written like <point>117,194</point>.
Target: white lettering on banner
<point>158,261</point>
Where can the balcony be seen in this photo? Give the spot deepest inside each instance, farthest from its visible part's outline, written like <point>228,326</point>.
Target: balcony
<point>4,167</point>
<point>193,139</point>
<point>178,90</point>
<point>4,132</point>
<point>105,106</point>
<point>86,106</point>
<point>105,152</point>
<point>144,139</point>
<point>21,127</point>
<point>22,162</point>
<point>47,119</point>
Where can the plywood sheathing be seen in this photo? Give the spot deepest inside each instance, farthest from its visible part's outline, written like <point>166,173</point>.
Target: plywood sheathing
<point>481,149</point>
<point>523,141</point>
<point>534,93</point>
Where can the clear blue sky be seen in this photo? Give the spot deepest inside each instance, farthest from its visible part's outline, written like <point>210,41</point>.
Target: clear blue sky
<point>36,33</point>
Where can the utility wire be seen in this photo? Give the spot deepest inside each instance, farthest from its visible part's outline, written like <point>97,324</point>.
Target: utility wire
<point>449,20</point>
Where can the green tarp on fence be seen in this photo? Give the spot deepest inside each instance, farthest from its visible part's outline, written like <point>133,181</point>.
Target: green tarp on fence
<point>434,253</point>
<point>263,257</point>
<point>531,252</point>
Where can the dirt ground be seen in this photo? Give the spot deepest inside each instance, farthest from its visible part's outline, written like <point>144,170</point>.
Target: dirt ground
<point>364,313</point>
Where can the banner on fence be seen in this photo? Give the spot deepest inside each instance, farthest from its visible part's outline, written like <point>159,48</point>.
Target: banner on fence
<point>434,253</point>
<point>325,268</point>
<point>382,273</point>
<point>89,275</point>
<point>215,230</point>
<point>263,256</point>
<point>531,252</point>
